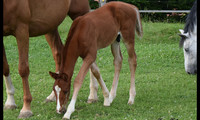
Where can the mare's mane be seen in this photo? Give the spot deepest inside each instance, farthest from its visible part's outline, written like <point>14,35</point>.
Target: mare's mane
<point>191,21</point>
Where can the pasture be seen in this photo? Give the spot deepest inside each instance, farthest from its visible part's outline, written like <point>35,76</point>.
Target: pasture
<point>164,90</point>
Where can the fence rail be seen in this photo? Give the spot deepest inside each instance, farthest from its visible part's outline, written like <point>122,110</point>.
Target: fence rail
<point>160,11</point>
<point>164,11</point>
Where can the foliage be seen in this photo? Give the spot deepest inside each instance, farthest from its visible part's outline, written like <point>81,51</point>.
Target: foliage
<point>164,90</point>
<point>157,5</point>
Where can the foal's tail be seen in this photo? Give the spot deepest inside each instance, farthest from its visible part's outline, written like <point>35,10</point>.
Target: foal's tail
<point>139,29</point>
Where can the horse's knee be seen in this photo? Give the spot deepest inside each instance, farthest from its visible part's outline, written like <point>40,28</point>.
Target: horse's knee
<point>95,71</point>
<point>118,62</point>
<point>23,70</point>
<point>6,70</point>
<point>132,62</point>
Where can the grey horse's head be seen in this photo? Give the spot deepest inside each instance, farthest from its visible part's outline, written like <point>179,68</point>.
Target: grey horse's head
<point>189,44</point>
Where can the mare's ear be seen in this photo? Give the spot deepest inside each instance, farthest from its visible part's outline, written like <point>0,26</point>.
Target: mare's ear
<point>65,77</point>
<point>182,34</point>
<point>53,75</point>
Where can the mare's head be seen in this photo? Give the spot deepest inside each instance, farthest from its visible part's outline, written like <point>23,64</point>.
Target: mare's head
<point>189,43</point>
<point>61,89</point>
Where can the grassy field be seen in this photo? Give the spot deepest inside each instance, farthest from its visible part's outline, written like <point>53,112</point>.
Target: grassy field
<point>164,90</point>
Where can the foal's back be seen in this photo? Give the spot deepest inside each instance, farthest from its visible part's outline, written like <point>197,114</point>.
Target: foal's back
<point>103,24</point>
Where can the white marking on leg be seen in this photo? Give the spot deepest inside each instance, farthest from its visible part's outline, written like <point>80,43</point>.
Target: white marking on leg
<point>115,47</point>
<point>10,90</point>
<point>70,109</point>
<point>93,88</point>
<point>58,101</point>
<point>97,74</point>
<point>51,97</point>
<point>132,91</point>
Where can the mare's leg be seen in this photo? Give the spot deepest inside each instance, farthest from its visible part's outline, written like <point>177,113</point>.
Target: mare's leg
<point>77,84</point>
<point>96,73</point>
<point>10,90</point>
<point>129,39</point>
<point>22,36</point>
<point>115,47</point>
<point>56,46</point>
<point>93,89</point>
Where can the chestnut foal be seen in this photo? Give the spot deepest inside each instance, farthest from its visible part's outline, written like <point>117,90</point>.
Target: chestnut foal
<point>29,18</point>
<point>88,34</point>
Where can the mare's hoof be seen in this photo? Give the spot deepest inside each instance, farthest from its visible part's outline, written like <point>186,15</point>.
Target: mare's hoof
<point>25,114</point>
<point>10,107</point>
<point>91,101</point>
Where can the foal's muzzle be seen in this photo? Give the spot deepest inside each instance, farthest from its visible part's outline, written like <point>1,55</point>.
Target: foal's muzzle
<point>61,111</point>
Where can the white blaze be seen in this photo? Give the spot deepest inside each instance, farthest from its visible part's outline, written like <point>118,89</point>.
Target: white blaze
<point>58,101</point>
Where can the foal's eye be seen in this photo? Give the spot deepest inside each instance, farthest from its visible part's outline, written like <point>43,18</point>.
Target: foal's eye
<point>186,49</point>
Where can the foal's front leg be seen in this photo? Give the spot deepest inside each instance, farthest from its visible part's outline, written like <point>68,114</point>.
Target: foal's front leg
<point>77,85</point>
<point>96,73</point>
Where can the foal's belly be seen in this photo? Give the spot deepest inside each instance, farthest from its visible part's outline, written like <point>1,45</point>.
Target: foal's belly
<point>106,41</point>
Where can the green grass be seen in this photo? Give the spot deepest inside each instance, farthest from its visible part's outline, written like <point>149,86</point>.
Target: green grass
<point>164,90</point>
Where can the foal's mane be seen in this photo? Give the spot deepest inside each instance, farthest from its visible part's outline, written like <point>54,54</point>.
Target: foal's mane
<point>68,40</point>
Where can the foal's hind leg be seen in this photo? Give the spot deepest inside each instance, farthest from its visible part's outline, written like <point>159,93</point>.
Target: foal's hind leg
<point>128,33</point>
<point>93,89</point>
<point>56,46</point>
<point>10,90</point>
<point>132,65</point>
<point>115,47</point>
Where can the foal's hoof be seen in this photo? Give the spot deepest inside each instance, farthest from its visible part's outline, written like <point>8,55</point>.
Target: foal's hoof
<point>10,107</point>
<point>65,119</point>
<point>48,100</point>
<point>130,102</point>
<point>107,104</point>
<point>91,101</point>
<point>25,114</point>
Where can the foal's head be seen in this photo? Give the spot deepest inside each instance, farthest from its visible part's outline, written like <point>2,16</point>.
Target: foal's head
<point>61,89</point>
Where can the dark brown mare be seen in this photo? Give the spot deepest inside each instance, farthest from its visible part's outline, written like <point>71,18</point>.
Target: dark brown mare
<point>88,34</point>
<point>29,18</point>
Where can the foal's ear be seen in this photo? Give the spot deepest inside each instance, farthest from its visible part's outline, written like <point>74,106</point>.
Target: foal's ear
<point>53,75</point>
